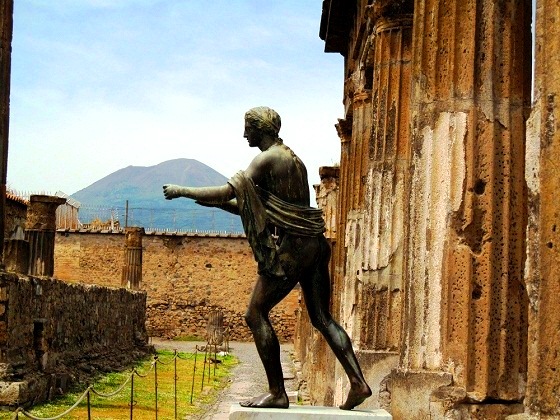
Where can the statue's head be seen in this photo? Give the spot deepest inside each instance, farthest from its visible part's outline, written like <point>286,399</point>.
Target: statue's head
<point>263,119</point>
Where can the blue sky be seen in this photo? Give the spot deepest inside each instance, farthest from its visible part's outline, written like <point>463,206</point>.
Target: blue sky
<point>98,85</point>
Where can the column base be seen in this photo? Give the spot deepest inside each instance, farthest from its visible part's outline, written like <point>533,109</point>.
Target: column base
<point>411,392</point>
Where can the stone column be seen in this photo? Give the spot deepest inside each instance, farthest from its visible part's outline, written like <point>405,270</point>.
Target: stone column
<point>344,130</point>
<point>39,232</point>
<point>543,243</point>
<point>355,134</point>
<point>317,360</point>
<point>465,301</point>
<point>378,253</point>
<point>16,255</point>
<point>327,198</point>
<point>6,28</point>
<point>374,166</point>
<point>132,270</point>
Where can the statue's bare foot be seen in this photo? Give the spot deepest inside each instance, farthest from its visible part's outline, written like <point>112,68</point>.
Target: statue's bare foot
<point>358,393</point>
<point>267,401</point>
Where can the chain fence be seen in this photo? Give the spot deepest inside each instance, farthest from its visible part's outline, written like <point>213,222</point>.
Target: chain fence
<point>210,358</point>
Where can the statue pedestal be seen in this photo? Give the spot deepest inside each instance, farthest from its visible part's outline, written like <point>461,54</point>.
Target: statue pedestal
<point>237,412</point>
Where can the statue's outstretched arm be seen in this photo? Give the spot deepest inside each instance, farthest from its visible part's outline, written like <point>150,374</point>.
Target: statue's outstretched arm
<point>209,195</point>
<point>229,206</point>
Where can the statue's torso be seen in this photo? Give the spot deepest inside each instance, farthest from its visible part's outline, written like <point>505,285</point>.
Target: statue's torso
<point>279,171</point>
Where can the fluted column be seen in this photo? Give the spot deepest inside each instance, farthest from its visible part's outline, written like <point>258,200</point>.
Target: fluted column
<point>465,302</point>
<point>338,259</point>
<point>16,255</point>
<point>310,346</point>
<point>326,194</point>
<point>355,170</point>
<point>382,228</point>
<point>132,269</point>
<point>40,229</point>
<point>543,243</point>
<point>374,167</point>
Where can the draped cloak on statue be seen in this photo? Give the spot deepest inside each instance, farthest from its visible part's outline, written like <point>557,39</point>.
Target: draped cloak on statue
<point>260,211</point>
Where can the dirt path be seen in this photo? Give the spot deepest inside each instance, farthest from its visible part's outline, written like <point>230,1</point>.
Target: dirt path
<point>248,378</point>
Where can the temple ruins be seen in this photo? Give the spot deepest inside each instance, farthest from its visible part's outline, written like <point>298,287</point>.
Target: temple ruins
<point>446,261</point>
<point>442,213</point>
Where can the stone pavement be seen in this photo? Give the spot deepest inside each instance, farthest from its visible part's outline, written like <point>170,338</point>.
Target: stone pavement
<point>248,378</point>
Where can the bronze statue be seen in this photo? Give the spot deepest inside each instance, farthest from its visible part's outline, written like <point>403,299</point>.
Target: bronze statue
<point>272,197</point>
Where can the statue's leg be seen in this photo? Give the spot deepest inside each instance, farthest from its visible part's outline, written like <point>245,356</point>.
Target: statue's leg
<point>316,291</point>
<point>266,294</point>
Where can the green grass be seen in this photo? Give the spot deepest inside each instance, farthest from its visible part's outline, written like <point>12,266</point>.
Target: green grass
<point>118,406</point>
<point>189,338</point>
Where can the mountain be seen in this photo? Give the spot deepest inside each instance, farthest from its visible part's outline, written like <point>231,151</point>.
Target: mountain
<point>140,183</point>
<point>142,188</point>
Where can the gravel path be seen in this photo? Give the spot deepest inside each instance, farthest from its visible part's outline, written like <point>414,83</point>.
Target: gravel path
<point>248,378</point>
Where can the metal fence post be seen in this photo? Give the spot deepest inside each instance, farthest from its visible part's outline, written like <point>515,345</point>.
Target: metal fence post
<point>131,394</point>
<point>204,368</point>
<point>194,371</point>
<point>156,385</point>
<point>175,383</point>
<point>88,404</point>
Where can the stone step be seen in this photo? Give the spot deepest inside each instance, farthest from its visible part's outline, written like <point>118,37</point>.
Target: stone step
<point>304,412</point>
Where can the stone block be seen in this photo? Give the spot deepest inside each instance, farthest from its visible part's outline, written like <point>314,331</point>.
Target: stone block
<point>3,294</point>
<point>293,397</point>
<point>3,331</point>
<point>304,412</point>
<point>411,392</point>
<point>13,393</point>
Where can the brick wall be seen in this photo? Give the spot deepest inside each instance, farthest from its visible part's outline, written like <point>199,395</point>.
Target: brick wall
<point>52,332</point>
<point>184,276</point>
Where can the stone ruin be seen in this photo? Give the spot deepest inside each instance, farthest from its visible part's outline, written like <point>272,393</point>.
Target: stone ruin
<point>446,253</point>
<point>446,259</point>
<point>54,334</point>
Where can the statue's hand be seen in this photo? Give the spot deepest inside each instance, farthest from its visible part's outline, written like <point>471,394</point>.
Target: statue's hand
<point>171,191</point>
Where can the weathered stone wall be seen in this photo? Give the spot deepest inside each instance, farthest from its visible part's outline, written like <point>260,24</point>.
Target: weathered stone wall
<point>52,331</point>
<point>185,277</point>
<point>16,214</point>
